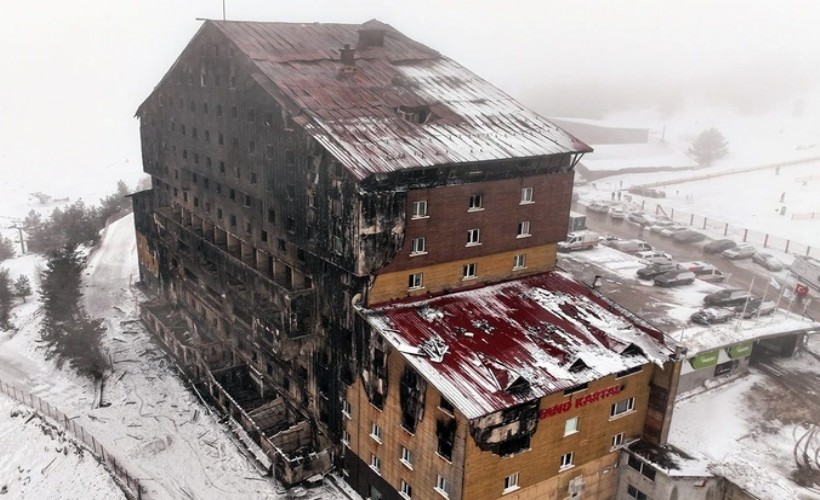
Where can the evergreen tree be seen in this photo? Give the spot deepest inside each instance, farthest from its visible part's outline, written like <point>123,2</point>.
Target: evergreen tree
<point>22,287</point>
<point>6,248</point>
<point>709,146</point>
<point>6,298</point>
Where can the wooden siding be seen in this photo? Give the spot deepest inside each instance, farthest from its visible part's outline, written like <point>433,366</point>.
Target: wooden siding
<point>448,275</point>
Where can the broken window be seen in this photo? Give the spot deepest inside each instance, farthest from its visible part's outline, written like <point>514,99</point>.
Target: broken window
<point>412,391</point>
<point>446,433</point>
<point>415,114</point>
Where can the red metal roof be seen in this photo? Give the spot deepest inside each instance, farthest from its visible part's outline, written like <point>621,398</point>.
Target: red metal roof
<point>354,113</point>
<point>472,346</point>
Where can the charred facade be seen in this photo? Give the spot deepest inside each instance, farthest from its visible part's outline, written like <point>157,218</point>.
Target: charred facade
<point>302,174</point>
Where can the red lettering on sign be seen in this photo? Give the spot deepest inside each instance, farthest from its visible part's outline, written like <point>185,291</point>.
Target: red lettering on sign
<point>579,402</point>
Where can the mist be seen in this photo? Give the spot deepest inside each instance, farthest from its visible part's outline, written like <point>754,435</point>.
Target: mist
<point>75,72</point>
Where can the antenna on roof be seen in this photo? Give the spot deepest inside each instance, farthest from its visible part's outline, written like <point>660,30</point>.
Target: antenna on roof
<point>223,10</point>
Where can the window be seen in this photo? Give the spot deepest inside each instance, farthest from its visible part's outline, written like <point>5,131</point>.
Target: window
<point>473,237</point>
<point>375,463</point>
<point>445,405</point>
<point>345,438</point>
<point>469,271</point>
<point>520,261</point>
<point>406,457</point>
<point>247,200</point>
<point>566,461</point>
<point>415,280</point>
<point>571,426</point>
<point>251,146</point>
<point>375,494</point>
<point>635,493</point>
<point>417,246</point>
<point>233,221</point>
<point>524,229</point>
<point>376,432</point>
<point>511,483</point>
<point>526,195</point>
<point>618,440</point>
<point>442,486</point>
<point>419,209</point>
<point>622,407</point>
<point>272,216</point>
<point>406,490</point>
<point>476,202</point>
<point>644,468</point>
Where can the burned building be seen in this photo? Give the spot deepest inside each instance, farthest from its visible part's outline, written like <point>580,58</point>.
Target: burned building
<point>306,175</point>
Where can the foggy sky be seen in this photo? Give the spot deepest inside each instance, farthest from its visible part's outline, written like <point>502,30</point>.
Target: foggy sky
<point>75,72</point>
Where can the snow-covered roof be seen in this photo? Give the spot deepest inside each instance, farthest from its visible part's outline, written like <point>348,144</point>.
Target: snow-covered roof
<point>636,156</point>
<point>545,333</point>
<point>700,339</point>
<point>359,112</point>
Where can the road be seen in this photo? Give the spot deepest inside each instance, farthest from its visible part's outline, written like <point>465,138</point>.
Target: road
<point>740,275</point>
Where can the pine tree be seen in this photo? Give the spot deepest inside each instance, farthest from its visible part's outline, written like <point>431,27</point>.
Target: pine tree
<point>6,298</point>
<point>709,146</point>
<point>6,248</point>
<point>22,287</point>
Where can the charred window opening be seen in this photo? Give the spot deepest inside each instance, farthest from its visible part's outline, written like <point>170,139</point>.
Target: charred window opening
<point>628,372</point>
<point>506,432</point>
<point>446,433</point>
<point>578,366</point>
<point>379,367</point>
<point>411,396</point>
<point>633,350</point>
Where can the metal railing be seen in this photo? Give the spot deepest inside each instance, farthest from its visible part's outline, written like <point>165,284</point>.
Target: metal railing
<point>130,485</point>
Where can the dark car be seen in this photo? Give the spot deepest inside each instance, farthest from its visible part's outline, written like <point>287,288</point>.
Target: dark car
<point>756,307</point>
<point>688,236</point>
<point>655,269</point>
<point>717,246</point>
<point>677,277</point>
<point>712,315</point>
<point>767,260</point>
<point>727,297</point>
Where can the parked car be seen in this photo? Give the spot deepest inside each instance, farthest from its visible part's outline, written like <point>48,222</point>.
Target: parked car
<point>727,297</point>
<point>704,271</point>
<point>598,207</point>
<point>655,269</point>
<point>756,307</point>
<point>688,236</point>
<point>660,225</point>
<point>579,240</point>
<point>617,212</point>
<point>651,256</point>
<point>649,192</point>
<point>639,219</point>
<point>743,251</point>
<point>767,260</point>
<point>717,246</point>
<point>669,231</point>
<point>677,277</point>
<point>630,246</point>
<point>712,315</point>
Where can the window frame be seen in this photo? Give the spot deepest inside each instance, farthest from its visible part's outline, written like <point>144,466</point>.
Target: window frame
<point>574,426</point>
<point>567,461</point>
<point>637,495</point>
<point>630,407</point>
<point>415,281</point>
<point>406,457</point>
<point>473,237</point>
<point>527,197</point>
<point>376,432</point>
<point>405,490</point>
<point>519,261</point>
<point>469,271</point>
<point>617,440</point>
<point>419,210</point>
<point>442,486</point>
<point>476,203</point>
<point>346,408</point>
<point>524,228</point>
<point>511,483</point>
<point>376,464</point>
<point>418,246</point>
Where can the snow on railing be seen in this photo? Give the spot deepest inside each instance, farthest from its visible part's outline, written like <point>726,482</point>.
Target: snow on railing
<point>129,484</point>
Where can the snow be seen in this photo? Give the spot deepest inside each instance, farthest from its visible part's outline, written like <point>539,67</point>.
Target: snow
<point>614,157</point>
<point>746,413</point>
<point>39,459</point>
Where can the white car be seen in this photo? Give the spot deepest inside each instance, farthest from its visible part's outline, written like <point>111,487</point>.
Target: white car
<point>652,256</point>
<point>670,231</point>
<point>660,225</point>
<point>617,212</point>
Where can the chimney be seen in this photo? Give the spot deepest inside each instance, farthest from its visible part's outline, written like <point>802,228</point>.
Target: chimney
<point>348,54</point>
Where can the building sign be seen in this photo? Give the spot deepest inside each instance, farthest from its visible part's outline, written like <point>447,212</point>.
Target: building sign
<point>580,401</point>
<point>740,350</point>
<point>704,360</point>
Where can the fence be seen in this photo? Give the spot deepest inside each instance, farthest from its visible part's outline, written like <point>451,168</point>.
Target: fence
<point>746,235</point>
<point>131,485</point>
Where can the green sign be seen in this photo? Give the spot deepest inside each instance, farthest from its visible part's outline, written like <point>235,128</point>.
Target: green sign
<point>704,360</point>
<point>740,350</point>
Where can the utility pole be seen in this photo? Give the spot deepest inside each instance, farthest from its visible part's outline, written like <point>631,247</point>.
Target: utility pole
<point>22,241</point>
